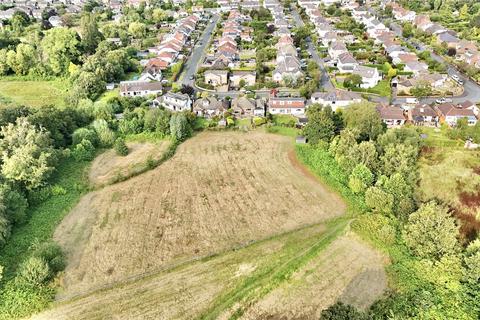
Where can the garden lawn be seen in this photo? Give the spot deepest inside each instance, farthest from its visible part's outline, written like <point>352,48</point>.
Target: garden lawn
<point>34,93</point>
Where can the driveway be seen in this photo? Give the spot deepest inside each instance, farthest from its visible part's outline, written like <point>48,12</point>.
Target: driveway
<point>199,52</point>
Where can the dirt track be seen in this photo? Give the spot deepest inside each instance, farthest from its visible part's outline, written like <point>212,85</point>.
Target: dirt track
<point>220,190</point>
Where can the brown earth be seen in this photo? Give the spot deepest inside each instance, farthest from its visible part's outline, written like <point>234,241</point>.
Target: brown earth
<point>220,190</point>
<point>109,165</point>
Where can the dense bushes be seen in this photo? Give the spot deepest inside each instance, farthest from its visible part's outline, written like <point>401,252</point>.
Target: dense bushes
<point>378,169</point>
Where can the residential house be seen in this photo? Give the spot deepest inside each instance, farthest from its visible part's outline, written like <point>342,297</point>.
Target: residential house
<point>287,105</point>
<point>139,88</point>
<point>346,63</point>
<point>450,114</point>
<point>210,107</point>
<point>391,116</point>
<point>370,76</point>
<point>423,115</point>
<point>247,77</point>
<point>336,49</point>
<point>176,101</point>
<point>336,98</point>
<point>216,77</point>
<point>243,107</point>
<point>288,68</point>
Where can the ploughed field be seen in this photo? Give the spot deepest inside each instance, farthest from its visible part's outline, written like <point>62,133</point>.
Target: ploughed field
<point>220,190</point>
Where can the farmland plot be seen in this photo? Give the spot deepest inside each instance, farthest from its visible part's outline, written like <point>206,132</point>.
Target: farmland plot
<point>219,191</point>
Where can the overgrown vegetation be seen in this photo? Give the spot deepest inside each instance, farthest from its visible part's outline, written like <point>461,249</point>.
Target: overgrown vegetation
<point>378,169</point>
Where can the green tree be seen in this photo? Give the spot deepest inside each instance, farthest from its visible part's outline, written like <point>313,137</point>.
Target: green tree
<point>89,32</point>
<point>120,147</point>
<point>4,66</point>
<point>26,153</point>
<point>364,118</point>
<point>431,232</point>
<point>23,59</point>
<point>137,29</point>
<point>352,81</point>
<point>360,179</point>
<point>378,200</point>
<point>60,48</point>
<point>321,125</point>
<point>422,90</point>
<point>5,225</point>
<point>179,127</point>
<point>34,271</point>
<point>84,134</point>
<point>14,203</point>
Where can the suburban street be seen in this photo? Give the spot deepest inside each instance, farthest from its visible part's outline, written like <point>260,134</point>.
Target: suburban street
<point>198,53</point>
<point>471,88</point>
<point>325,79</point>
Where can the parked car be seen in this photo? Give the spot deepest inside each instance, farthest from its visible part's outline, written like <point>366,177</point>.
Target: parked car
<point>412,100</point>
<point>455,77</point>
<point>441,100</point>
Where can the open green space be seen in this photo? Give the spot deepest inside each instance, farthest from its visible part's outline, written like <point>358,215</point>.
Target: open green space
<point>34,93</point>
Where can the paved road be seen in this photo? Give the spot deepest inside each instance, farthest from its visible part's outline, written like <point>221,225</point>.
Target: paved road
<point>471,88</point>
<point>199,51</point>
<point>325,79</point>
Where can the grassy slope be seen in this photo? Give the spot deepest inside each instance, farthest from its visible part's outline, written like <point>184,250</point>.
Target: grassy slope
<point>33,93</point>
<point>44,217</point>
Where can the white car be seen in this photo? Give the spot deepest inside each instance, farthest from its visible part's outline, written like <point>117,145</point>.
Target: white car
<point>441,100</point>
<point>455,77</point>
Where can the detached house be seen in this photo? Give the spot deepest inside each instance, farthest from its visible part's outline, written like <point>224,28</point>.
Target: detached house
<point>336,49</point>
<point>451,114</point>
<point>336,98</point>
<point>139,88</point>
<point>346,63</point>
<point>370,76</point>
<point>216,77</point>
<point>423,115</point>
<point>176,102</point>
<point>247,77</point>
<point>287,105</point>
<point>209,107</point>
<point>391,116</point>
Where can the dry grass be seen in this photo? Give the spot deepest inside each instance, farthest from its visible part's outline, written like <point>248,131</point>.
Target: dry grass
<point>220,190</point>
<point>109,165</point>
<point>348,270</point>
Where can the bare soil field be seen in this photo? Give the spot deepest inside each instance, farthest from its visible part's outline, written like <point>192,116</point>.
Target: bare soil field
<point>348,270</point>
<point>220,190</point>
<point>109,165</point>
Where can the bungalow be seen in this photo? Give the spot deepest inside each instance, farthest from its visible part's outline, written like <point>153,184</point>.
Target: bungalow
<point>450,40</point>
<point>216,77</point>
<point>287,105</point>
<point>176,101</point>
<point>247,77</point>
<point>391,116</point>
<point>209,107</point>
<point>243,107</point>
<point>415,67</point>
<point>336,98</point>
<point>370,76</point>
<point>139,88</point>
<point>469,105</point>
<point>288,67</point>
<point>423,115</point>
<point>450,114</point>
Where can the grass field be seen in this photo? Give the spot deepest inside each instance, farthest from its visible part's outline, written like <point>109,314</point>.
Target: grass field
<point>33,93</point>
<point>108,166</point>
<point>218,191</point>
<point>231,227</point>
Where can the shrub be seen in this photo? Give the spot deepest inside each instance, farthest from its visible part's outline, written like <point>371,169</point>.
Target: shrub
<point>105,134</point>
<point>34,271</point>
<point>120,147</point>
<point>376,227</point>
<point>84,151</point>
<point>360,179</point>
<point>5,229</point>
<point>341,311</point>
<point>84,134</point>
<point>52,254</point>
<point>378,200</point>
